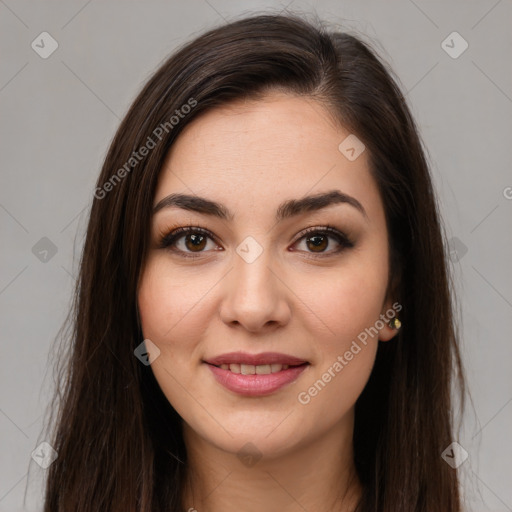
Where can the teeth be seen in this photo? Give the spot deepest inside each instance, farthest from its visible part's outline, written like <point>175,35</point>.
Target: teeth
<point>235,368</point>
<point>250,369</point>
<point>263,369</point>
<point>247,369</point>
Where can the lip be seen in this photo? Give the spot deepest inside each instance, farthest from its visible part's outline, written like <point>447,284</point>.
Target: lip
<point>257,384</point>
<point>255,359</point>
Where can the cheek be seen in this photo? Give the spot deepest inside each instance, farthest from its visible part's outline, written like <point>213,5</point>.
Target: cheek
<point>169,303</point>
<point>330,395</point>
<point>170,311</point>
<point>347,302</point>
<point>349,306</point>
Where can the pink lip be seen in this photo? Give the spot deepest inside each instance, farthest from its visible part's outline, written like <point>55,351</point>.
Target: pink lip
<point>255,359</point>
<point>256,385</point>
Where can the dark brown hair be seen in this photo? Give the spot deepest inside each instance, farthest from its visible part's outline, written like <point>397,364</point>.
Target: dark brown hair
<point>119,441</point>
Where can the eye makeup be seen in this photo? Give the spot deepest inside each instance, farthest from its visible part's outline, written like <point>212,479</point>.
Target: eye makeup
<point>196,235</point>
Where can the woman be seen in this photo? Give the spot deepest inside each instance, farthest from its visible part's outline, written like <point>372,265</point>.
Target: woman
<point>263,317</point>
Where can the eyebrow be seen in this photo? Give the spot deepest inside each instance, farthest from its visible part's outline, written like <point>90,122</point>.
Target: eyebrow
<point>287,209</point>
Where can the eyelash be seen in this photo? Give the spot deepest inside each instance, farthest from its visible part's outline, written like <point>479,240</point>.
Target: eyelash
<point>168,240</point>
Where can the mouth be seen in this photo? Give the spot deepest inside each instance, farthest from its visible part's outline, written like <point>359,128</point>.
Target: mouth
<point>260,369</point>
<point>256,374</point>
<point>262,359</point>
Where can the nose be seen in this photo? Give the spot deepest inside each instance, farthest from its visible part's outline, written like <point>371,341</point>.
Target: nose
<point>255,295</point>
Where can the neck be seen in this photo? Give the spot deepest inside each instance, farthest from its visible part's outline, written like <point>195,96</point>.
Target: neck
<point>319,475</point>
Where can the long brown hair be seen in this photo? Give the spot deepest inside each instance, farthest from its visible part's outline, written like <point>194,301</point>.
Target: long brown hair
<point>119,441</point>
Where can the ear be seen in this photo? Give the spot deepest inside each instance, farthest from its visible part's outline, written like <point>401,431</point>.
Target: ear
<point>390,311</point>
<point>391,308</point>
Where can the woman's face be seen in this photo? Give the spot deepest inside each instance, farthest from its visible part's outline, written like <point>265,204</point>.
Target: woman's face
<point>254,282</point>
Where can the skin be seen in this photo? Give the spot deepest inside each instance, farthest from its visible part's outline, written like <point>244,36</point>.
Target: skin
<point>251,156</point>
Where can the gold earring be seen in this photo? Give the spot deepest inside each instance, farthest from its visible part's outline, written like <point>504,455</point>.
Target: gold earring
<point>394,323</point>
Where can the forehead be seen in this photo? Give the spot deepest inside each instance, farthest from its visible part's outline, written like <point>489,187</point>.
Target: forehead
<point>249,153</point>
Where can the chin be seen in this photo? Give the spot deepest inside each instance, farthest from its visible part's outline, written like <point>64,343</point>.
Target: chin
<point>270,442</point>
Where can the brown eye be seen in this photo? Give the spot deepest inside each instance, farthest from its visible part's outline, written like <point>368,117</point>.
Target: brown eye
<point>188,241</point>
<point>191,241</point>
<point>317,243</point>
<point>194,241</point>
<point>317,240</point>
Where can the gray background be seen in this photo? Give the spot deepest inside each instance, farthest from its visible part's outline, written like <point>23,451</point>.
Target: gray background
<point>60,113</point>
